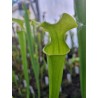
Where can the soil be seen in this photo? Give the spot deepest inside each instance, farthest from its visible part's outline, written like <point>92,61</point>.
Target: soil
<point>69,90</point>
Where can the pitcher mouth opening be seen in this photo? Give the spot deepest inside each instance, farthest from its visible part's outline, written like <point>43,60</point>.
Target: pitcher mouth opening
<point>49,53</point>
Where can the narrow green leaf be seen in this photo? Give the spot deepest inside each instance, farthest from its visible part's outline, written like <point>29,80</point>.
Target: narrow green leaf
<point>56,51</point>
<point>34,59</point>
<point>80,11</point>
<point>82,54</point>
<point>22,42</point>
<point>18,21</point>
<point>80,14</point>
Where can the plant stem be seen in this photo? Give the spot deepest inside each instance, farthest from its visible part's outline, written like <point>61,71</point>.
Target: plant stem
<point>80,13</point>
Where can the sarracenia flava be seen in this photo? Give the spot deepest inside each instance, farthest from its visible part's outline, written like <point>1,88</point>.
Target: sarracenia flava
<point>56,51</point>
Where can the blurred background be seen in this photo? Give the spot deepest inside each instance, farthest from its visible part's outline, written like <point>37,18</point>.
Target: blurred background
<point>47,10</point>
<point>50,11</point>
